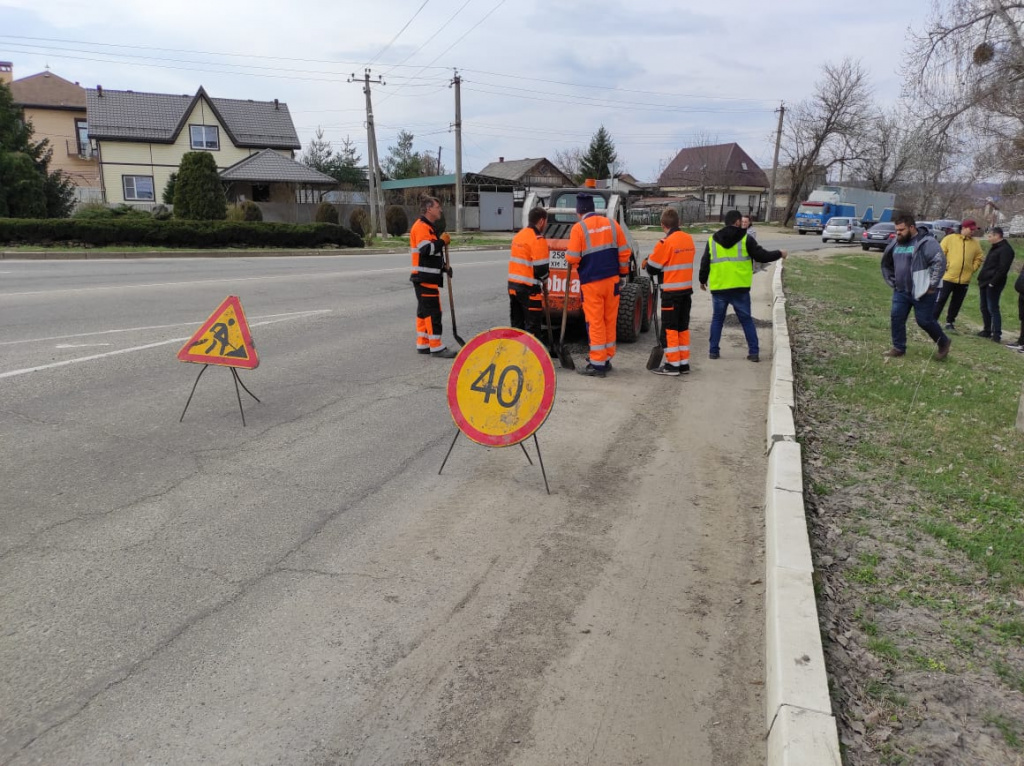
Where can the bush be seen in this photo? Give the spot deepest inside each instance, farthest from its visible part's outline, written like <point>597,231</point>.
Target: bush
<point>251,211</point>
<point>359,222</point>
<point>93,211</point>
<point>198,191</point>
<point>161,212</point>
<point>236,214</point>
<point>326,213</point>
<point>144,230</point>
<point>396,221</point>
<point>168,195</point>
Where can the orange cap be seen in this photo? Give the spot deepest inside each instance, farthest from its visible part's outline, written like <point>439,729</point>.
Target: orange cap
<point>590,183</point>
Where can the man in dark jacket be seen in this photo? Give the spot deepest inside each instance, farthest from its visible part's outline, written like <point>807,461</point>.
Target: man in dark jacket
<point>913,265</point>
<point>727,266</point>
<point>991,281</point>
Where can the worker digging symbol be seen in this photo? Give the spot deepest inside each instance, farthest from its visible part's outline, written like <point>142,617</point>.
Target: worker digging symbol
<point>220,335</point>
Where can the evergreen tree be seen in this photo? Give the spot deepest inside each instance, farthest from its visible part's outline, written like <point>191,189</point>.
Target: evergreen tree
<point>28,189</point>
<point>198,191</point>
<point>168,195</point>
<point>600,156</point>
<point>402,161</point>
<point>346,166</point>
<point>320,154</point>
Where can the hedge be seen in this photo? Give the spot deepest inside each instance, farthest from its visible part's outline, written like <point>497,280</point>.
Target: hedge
<point>173,233</point>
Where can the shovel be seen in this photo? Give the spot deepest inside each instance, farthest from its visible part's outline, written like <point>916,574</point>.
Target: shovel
<point>547,316</point>
<point>451,299</point>
<point>563,353</point>
<point>655,357</point>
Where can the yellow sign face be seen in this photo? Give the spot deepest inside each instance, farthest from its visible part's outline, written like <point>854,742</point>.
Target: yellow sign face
<point>223,339</point>
<point>501,387</point>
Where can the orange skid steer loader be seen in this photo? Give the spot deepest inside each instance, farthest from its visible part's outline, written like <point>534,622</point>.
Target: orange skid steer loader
<point>636,302</point>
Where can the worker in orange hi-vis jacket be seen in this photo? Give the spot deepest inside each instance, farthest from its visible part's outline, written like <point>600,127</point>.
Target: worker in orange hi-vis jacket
<point>672,260</point>
<point>600,253</point>
<point>428,270</point>
<point>527,270</point>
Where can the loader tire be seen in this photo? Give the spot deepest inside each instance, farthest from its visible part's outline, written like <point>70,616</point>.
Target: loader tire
<point>631,308</point>
<point>648,296</point>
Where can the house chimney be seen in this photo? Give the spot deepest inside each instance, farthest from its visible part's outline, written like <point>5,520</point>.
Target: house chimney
<point>6,72</point>
<point>99,91</point>
<point>275,104</point>
<point>501,159</point>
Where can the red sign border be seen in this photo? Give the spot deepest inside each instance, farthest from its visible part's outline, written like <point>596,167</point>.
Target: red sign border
<point>243,326</point>
<point>528,429</point>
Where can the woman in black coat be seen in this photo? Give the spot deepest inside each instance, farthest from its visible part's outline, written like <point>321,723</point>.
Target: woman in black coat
<point>991,281</point>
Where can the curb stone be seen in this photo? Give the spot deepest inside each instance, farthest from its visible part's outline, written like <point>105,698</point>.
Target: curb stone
<point>801,729</point>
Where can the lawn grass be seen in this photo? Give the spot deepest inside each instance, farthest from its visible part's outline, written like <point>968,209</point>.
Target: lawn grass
<point>915,493</point>
<point>945,427</point>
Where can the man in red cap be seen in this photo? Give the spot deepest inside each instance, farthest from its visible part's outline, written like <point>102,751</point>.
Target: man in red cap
<point>963,258</point>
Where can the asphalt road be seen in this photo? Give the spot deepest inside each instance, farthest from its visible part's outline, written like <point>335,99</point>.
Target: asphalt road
<point>306,589</point>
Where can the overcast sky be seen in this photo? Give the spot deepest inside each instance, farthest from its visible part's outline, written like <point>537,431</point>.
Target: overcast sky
<point>537,77</point>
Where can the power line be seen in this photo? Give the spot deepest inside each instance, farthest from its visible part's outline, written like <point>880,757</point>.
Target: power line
<point>566,99</point>
<point>392,42</point>
<point>199,53</point>
<point>614,90</point>
<point>459,39</point>
<point>431,37</point>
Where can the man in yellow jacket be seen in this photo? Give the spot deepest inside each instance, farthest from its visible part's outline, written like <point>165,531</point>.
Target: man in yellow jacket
<point>963,258</point>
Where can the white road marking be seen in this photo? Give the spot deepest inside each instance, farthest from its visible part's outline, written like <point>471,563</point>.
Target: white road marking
<point>197,322</point>
<point>81,345</point>
<point>25,371</point>
<point>318,275</point>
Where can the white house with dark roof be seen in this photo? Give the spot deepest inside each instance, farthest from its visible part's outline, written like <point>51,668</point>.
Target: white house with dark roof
<point>723,175</point>
<point>141,138</point>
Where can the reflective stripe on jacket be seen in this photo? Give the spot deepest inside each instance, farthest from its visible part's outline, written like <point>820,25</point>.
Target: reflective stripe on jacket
<point>673,257</point>
<point>427,253</point>
<point>731,267</point>
<point>598,248</point>
<point>528,262</point>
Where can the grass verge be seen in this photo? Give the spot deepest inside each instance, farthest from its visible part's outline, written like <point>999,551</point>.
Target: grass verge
<point>915,476</point>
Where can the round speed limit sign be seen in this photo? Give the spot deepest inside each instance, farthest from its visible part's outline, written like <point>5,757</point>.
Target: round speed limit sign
<point>501,387</point>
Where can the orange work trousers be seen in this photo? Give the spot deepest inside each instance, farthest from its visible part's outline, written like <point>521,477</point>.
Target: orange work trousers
<point>675,318</point>
<point>601,310</point>
<point>428,318</point>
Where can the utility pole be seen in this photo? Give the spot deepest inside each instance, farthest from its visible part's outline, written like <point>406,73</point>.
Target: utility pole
<point>438,161</point>
<point>775,163</point>
<point>373,166</point>
<point>457,82</point>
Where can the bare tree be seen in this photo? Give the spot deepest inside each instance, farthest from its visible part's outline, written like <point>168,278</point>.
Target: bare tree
<point>888,149</point>
<point>569,161</point>
<point>824,129</point>
<point>969,67</point>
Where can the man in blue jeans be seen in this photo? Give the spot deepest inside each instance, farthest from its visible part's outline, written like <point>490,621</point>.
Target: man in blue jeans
<point>913,265</point>
<point>727,268</point>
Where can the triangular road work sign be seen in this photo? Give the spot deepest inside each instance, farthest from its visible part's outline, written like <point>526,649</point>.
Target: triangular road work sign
<point>223,339</point>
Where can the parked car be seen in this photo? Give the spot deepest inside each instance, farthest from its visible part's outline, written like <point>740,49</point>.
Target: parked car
<point>879,235</point>
<point>842,230</point>
<point>945,226</point>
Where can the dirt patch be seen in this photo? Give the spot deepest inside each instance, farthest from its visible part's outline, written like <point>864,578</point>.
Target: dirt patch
<point>924,649</point>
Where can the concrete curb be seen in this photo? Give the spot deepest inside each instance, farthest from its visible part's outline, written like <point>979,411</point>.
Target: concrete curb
<point>798,710</point>
<point>88,254</point>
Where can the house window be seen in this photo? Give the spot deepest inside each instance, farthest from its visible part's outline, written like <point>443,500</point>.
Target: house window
<point>711,200</point>
<point>205,137</point>
<point>138,187</point>
<point>261,192</point>
<point>744,166</point>
<point>82,136</point>
<point>752,201</point>
<point>730,201</point>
